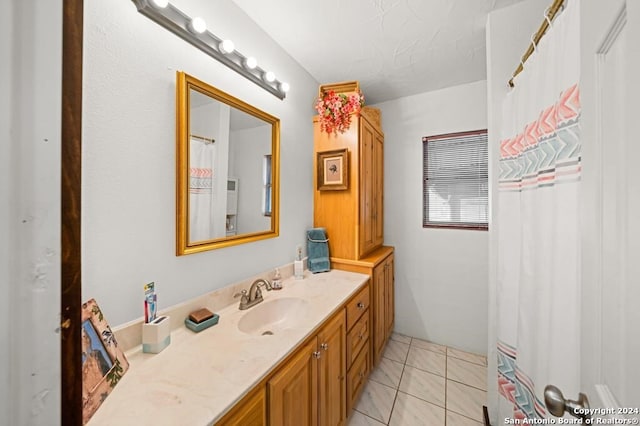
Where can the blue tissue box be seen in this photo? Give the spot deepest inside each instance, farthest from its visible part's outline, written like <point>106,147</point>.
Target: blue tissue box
<point>197,327</point>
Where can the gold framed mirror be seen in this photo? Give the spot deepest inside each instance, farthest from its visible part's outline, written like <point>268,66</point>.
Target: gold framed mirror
<point>227,169</point>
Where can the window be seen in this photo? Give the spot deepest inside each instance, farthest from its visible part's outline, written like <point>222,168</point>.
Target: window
<point>266,201</point>
<point>455,180</point>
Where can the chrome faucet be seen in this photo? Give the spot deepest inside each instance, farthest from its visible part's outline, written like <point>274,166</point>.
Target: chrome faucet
<point>255,294</point>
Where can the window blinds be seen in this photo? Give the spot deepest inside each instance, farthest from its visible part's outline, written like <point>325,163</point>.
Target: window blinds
<point>455,180</point>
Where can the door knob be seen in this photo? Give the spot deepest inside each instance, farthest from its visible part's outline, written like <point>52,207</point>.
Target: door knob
<point>558,405</point>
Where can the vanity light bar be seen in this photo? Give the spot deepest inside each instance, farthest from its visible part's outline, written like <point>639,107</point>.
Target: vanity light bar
<point>181,25</point>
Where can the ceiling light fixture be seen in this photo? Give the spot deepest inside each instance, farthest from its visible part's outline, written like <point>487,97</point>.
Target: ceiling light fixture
<point>194,30</point>
<point>251,62</point>
<point>197,25</point>
<point>160,3</point>
<point>227,46</point>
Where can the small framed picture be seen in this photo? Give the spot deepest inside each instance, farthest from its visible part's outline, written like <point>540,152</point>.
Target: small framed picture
<point>333,170</point>
<point>103,362</point>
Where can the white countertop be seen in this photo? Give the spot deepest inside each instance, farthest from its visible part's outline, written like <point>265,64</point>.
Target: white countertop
<point>200,376</point>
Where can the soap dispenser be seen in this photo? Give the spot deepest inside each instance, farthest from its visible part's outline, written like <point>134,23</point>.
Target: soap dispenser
<point>298,267</point>
<point>276,284</point>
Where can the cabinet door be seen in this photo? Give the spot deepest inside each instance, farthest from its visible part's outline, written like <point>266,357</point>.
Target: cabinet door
<point>332,371</point>
<point>367,203</point>
<point>248,412</point>
<point>389,284</point>
<point>379,307</point>
<point>293,391</point>
<point>378,190</point>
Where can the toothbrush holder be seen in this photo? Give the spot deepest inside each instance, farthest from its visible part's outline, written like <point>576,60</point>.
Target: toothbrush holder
<point>156,335</point>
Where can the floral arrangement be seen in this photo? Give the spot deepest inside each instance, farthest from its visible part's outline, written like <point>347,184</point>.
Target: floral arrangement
<point>335,110</point>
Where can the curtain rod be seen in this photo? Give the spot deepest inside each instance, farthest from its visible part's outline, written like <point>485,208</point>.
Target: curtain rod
<point>202,138</point>
<point>549,16</point>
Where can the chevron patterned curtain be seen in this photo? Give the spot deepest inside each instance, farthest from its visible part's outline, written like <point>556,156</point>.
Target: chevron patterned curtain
<point>201,159</point>
<point>538,230</point>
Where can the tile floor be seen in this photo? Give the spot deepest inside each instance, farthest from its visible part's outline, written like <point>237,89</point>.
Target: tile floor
<point>419,383</point>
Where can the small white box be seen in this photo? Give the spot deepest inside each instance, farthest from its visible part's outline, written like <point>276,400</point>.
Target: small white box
<point>156,335</point>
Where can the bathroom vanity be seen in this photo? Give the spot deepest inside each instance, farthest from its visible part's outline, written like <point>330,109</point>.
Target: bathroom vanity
<point>300,357</point>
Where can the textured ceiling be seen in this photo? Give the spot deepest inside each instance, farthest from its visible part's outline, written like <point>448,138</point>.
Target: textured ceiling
<point>394,48</point>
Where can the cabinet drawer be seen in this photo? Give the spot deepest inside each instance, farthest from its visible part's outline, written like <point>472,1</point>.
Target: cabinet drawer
<point>357,306</point>
<point>357,377</point>
<point>357,338</point>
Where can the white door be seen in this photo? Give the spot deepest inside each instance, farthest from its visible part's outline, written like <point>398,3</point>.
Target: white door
<point>610,353</point>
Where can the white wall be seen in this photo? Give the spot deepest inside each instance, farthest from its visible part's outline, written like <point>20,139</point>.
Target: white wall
<point>129,155</point>
<point>441,274</point>
<point>250,146</point>
<point>30,83</point>
<point>508,35</point>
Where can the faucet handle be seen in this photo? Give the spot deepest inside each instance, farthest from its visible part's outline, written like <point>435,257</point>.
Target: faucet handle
<point>244,300</point>
<point>243,293</point>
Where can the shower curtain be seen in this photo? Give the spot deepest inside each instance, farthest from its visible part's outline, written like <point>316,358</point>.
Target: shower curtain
<point>538,288</point>
<point>201,160</point>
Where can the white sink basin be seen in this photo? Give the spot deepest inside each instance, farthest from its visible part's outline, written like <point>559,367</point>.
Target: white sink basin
<point>273,315</point>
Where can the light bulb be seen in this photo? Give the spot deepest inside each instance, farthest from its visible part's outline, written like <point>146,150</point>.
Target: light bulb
<point>160,3</point>
<point>226,46</point>
<point>285,87</point>
<point>251,62</point>
<point>198,25</point>
<point>269,76</point>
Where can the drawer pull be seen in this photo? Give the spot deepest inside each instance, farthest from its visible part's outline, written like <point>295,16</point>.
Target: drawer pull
<point>360,336</point>
<point>316,354</point>
<point>361,374</point>
<point>324,346</point>
<point>360,305</point>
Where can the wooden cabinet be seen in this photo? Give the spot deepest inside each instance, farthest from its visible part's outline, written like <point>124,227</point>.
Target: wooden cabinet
<point>383,306</point>
<point>378,190</point>
<point>371,188</point>
<point>332,402</point>
<point>310,389</point>
<point>379,308</point>
<point>353,217</point>
<point>358,353</point>
<point>389,292</point>
<point>380,266</point>
<point>251,411</point>
<point>293,390</point>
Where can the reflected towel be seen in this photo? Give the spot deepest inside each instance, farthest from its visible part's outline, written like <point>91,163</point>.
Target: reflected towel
<point>318,250</point>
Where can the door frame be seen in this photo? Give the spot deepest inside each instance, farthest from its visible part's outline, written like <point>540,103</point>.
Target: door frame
<point>71,188</point>
<point>601,25</point>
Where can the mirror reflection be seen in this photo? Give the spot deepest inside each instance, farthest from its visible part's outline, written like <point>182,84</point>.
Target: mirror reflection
<point>228,157</point>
